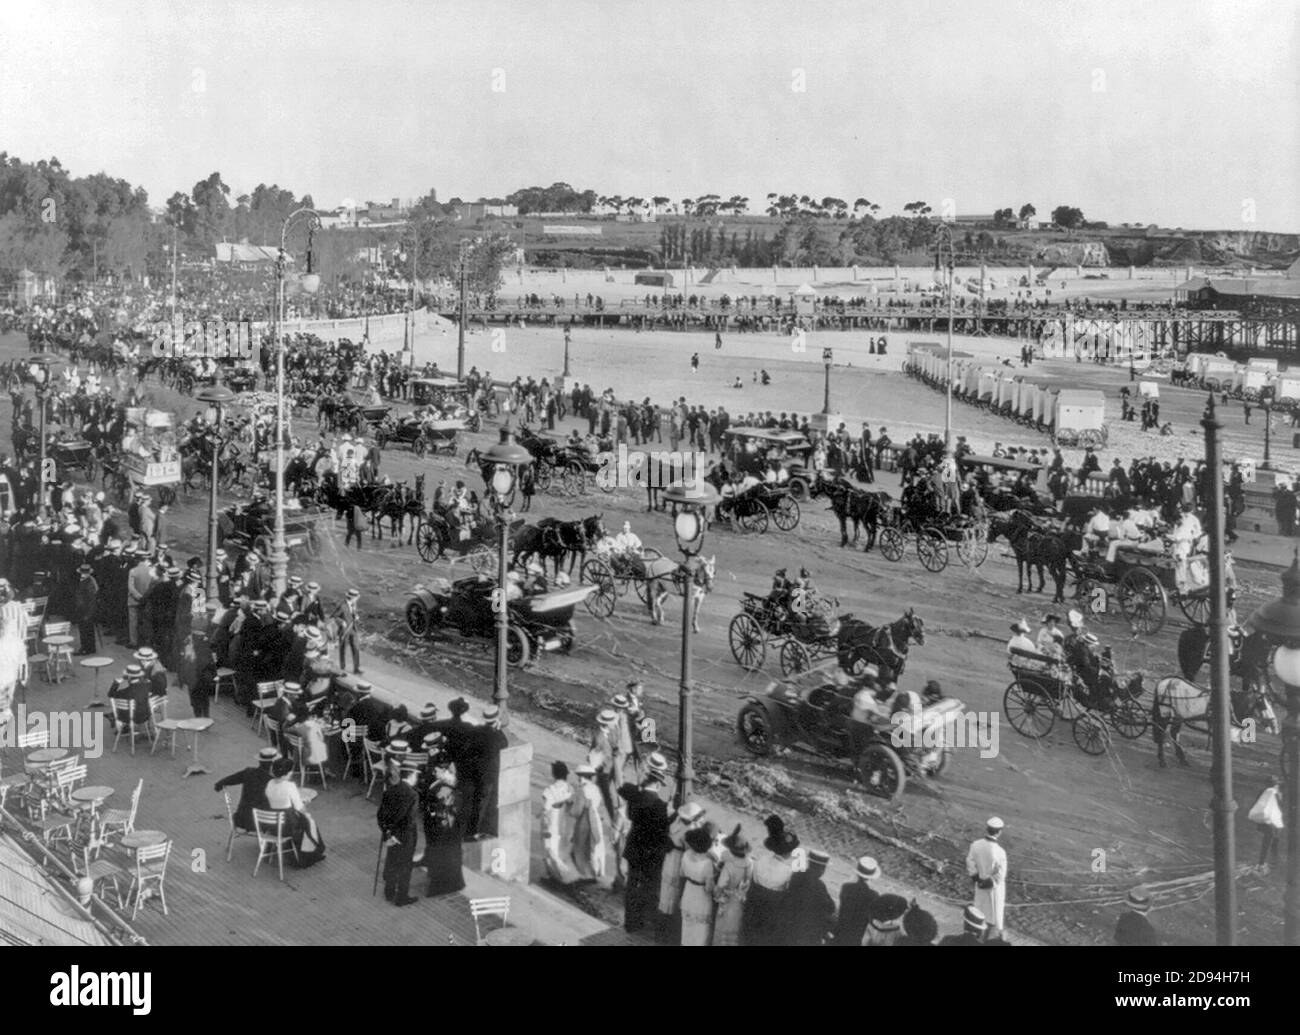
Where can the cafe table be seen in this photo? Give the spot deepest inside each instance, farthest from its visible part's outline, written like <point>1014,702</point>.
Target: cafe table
<point>89,799</point>
<point>138,839</point>
<point>511,936</point>
<point>196,727</point>
<point>95,664</point>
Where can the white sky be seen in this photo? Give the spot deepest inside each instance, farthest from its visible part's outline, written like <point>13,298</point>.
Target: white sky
<point>1181,112</point>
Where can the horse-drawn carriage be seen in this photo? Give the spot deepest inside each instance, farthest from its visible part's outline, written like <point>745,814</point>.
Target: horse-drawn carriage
<point>241,379</point>
<point>802,627</point>
<point>252,526</point>
<point>1042,689</point>
<point>813,710</point>
<point>933,529</point>
<point>754,508</point>
<point>445,530</point>
<point>612,573</point>
<point>1144,584</point>
<point>74,455</point>
<point>152,461</point>
<point>449,397</point>
<point>756,451</point>
<point>537,622</point>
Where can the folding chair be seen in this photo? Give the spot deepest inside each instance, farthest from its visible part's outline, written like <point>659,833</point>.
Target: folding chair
<point>35,609</point>
<point>235,831</point>
<point>122,820</point>
<point>225,678</point>
<point>271,838</point>
<point>124,718</point>
<point>267,695</point>
<point>150,875</point>
<point>299,755</point>
<point>375,764</point>
<point>58,664</point>
<point>485,907</point>
<point>87,863</point>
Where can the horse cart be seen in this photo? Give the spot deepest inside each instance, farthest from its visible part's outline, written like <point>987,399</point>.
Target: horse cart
<point>440,534</point>
<point>536,622</point>
<point>252,527</point>
<point>757,451</point>
<point>1080,419</point>
<point>612,574</point>
<point>1041,690</point>
<point>449,397</point>
<point>1144,584</point>
<point>802,629</point>
<point>932,534</point>
<point>78,455</point>
<point>759,506</point>
<point>812,711</point>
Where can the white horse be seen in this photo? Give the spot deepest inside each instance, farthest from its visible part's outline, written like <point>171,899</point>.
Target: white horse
<point>659,572</point>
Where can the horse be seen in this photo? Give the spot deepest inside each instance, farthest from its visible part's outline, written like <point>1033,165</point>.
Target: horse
<point>1249,656</point>
<point>551,539</point>
<point>863,507</point>
<point>1177,702</point>
<point>886,646</point>
<point>1036,547</point>
<point>702,577</point>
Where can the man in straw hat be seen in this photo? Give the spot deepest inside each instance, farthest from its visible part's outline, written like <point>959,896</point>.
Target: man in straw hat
<point>399,823</point>
<point>252,783</point>
<point>348,616</point>
<point>809,908</point>
<point>1133,926</point>
<point>481,763</point>
<point>974,927</point>
<point>856,898</point>
<point>603,757</point>
<point>986,865</point>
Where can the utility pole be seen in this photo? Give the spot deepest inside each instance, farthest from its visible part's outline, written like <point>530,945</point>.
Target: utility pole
<point>460,332</point>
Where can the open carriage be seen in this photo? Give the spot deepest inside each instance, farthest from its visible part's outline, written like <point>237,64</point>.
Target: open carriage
<point>152,460</point>
<point>250,526</point>
<point>449,398</point>
<point>1144,583</point>
<point>474,536</point>
<point>932,534</point>
<point>74,455</point>
<point>424,433</point>
<point>802,629</point>
<point>614,573</point>
<point>760,506</point>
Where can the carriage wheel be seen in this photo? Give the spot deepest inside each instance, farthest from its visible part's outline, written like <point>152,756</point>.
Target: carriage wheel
<point>748,642</point>
<point>417,618</point>
<point>753,518</point>
<point>1092,596</point>
<point>1090,733</point>
<point>973,547</point>
<point>428,542</point>
<point>786,514</point>
<point>517,650</point>
<point>1196,606</point>
<point>1067,705</point>
<point>891,544</point>
<point>602,602</point>
<point>574,479</point>
<point>483,559</point>
<point>1142,601</point>
<point>419,446</point>
<point>882,772</point>
<point>932,549</point>
<point>799,490</point>
<point>1090,438</point>
<point>542,476</point>
<point>1129,718</point>
<point>1030,714</point>
<point>754,729</point>
<point>642,589</point>
<point>794,658</point>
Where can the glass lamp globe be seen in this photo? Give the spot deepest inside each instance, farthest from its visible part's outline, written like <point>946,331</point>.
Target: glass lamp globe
<point>1286,664</point>
<point>687,527</point>
<point>311,283</point>
<point>503,480</point>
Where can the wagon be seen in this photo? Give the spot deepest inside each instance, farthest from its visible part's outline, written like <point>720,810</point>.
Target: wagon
<point>436,537</point>
<point>76,455</point>
<point>613,574</point>
<point>241,380</point>
<point>1144,584</point>
<point>970,538</point>
<point>1080,419</point>
<point>752,450</point>
<point>246,527</point>
<point>802,631</point>
<point>536,623</point>
<point>449,396</point>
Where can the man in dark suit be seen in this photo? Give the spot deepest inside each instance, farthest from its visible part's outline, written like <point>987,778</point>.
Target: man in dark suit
<point>224,574</point>
<point>1133,927</point>
<point>647,844</point>
<point>153,669</point>
<point>398,819</point>
<point>133,686</point>
<point>973,927</point>
<point>252,787</point>
<point>808,906</point>
<point>310,606</point>
<point>428,723</point>
<point>369,711</point>
<point>86,607</point>
<point>348,617</point>
<point>855,904</point>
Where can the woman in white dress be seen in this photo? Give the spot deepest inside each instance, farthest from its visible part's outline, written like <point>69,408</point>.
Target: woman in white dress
<point>587,849</point>
<point>13,648</point>
<point>556,800</point>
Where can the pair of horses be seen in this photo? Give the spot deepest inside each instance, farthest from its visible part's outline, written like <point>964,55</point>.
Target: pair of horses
<point>558,541</point>
<point>1036,546</point>
<point>394,503</point>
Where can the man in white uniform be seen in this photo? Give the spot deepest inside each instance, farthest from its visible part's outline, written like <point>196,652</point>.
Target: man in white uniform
<point>627,542</point>
<point>986,865</point>
<point>1130,533</point>
<point>1186,534</point>
<point>1096,531</point>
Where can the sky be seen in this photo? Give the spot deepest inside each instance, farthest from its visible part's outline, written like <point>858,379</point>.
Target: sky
<point>1178,112</point>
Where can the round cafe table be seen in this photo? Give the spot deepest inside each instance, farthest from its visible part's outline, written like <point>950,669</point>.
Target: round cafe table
<point>508,936</point>
<point>56,649</point>
<point>89,799</point>
<point>44,756</point>
<point>95,664</point>
<point>142,839</point>
<point>196,727</point>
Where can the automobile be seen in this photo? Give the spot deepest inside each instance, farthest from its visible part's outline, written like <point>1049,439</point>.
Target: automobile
<point>811,711</point>
<point>537,621</point>
<point>449,397</point>
<point>751,450</point>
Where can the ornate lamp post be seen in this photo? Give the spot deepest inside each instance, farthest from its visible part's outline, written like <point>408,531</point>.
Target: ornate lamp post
<point>460,329</point>
<point>945,257</point>
<point>689,501</point>
<point>41,367</point>
<point>310,283</point>
<point>215,397</point>
<point>1266,405</point>
<point>506,458</point>
<point>1280,622</point>
<point>827,359</point>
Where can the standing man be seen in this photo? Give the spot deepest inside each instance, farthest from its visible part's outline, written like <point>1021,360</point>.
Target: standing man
<point>224,575</point>
<point>986,865</point>
<point>1133,927</point>
<point>855,904</point>
<point>349,626</point>
<point>356,522</point>
<point>139,581</point>
<point>86,601</point>
<point>398,820</point>
<point>487,743</point>
<point>602,756</point>
<point>808,906</point>
<point>644,849</point>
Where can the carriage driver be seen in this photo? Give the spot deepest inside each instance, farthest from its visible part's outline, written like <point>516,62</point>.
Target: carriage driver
<point>1132,534</point>
<point>1096,531</point>
<point>627,542</point>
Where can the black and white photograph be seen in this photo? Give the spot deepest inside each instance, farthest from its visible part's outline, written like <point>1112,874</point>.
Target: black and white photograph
<point>565,474</point>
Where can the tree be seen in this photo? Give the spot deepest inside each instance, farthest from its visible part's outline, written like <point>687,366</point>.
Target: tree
<point>1067,217</point>
<point>211,209</point>
<point>1027,212</point>
<point>1004,217</point>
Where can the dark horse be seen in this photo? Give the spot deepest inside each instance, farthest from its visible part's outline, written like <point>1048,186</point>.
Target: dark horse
<point>1036,547</point>
<point>555,540</point>
<point>866,509</point>
<point>860,644</point>
<point>1249,658</point>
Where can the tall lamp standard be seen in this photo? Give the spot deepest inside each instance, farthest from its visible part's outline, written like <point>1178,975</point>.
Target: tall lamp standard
<point>1279,621</point>
<point>945,257</point>
<point>216,397</point>
<point>460,329</point>
<point>506,458</point>
<point>310,283</point>
<point>41,369</point>
<point>1266,404</point>
<point>688,500</point>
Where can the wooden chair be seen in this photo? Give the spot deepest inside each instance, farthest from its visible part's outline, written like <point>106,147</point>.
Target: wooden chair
<point>225,678</point>
<point>271,838</point>
<point>31,742</point>
<point>267,695</point>
<point>150,876</point>
<point>35,609</point>
<point>158,709</point>
<point>122,821</point>
<point>124,717</point>
<point>58,663</point>
<point>235,831</point>
<point>298,748</point>
<point>86,862</point>
<point>375,764</point>
<point>355,756</point>
<point>272,727</point>
<point>480,908</point>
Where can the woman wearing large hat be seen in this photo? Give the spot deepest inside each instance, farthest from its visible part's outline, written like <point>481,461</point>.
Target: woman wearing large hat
<point>772,873</point>
<point>699,876</point>
<point>735,876</point>
<point>588,843</point>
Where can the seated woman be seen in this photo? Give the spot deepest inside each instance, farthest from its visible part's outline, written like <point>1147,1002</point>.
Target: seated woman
<point>312,731</point>
<point>282,795</point>
<point>398,725</point>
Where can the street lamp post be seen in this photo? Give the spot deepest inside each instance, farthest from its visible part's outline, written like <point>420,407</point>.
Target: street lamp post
<point>566,354</point>
<point>506,458</point>
<point>310,283</point>
<point>40,367</point>
<point>1267,407</point>
<point>827,357</point>
<point>216,397</point>
<point>943,248</point>
<point>1222,805</point>
<point>460,330</point>
<point>1279,621</point>
<point>689,501</point>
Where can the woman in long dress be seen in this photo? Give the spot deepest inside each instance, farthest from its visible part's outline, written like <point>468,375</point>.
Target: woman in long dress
<point>283,796</point>
<point>442,837</point>
<point>698,882</point>
<point>734,879</point>
<point>556,800</point>
<point>772,872</point>
<point>13,649</point>
<point>587,849</point>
